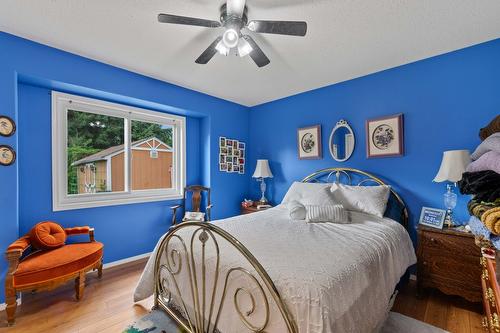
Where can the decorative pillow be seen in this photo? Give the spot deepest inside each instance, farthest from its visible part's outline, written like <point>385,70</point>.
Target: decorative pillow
<point>328,213</point>
<point>309,194</point>
<point>47,235</point>
<point>364,199</point>
<point>296,210</point>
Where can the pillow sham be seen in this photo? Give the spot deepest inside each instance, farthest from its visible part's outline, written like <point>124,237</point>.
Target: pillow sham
<point>364,199</point>
<point>296,210</point>
<point>309,194</point>
<point>327,213</point>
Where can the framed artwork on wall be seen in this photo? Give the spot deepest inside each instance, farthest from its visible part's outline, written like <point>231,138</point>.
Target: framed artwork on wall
<point>309,142</point>
<point>384,136</point>
<point>231,155</point>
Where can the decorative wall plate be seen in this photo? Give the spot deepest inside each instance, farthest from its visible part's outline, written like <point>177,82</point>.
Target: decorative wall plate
<point>7,126</point>
<point>7,155</point>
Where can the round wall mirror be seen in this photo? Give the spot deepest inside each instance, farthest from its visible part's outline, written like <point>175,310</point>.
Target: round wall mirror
<point>341,141</point>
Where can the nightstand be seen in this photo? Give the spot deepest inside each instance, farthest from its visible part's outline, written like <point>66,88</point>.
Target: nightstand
<point>249,210</point>
<point>448,260</point>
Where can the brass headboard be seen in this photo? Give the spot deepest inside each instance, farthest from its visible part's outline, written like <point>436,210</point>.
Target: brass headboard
<point>396,207</point>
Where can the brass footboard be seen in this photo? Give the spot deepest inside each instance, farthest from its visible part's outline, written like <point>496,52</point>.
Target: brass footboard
<point>195,288</point>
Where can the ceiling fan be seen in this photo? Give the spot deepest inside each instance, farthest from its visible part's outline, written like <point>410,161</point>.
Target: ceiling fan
<point>233,19</point>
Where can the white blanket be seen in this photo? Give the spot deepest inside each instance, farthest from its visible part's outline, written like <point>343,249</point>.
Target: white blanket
<point>332,277</point>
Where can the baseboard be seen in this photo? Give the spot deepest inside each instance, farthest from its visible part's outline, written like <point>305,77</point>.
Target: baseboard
<point>413,277</point>
<point>126,260</point>
<point>105,266</point>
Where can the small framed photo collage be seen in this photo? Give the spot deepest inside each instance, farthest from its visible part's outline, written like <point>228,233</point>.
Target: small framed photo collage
<point>232,155</point>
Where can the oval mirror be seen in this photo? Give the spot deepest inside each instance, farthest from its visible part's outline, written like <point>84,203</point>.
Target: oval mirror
<point>341,141</point>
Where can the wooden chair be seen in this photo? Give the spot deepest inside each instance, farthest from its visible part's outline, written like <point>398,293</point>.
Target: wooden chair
<point>48,269</point>
<point>196,191</point>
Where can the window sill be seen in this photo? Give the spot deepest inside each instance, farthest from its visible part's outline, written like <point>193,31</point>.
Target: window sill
<point>115,200</point>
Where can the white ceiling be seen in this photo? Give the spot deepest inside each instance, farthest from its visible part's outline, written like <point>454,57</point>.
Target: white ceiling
<point>345,39</point>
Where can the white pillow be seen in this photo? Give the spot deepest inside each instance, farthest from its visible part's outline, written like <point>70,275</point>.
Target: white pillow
<point>365,199</point>
<point>309,194</point>
<point>328,213</point>
<point>296,210</point>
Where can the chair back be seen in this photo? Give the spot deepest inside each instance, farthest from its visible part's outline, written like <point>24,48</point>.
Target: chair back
<point>196,196</point>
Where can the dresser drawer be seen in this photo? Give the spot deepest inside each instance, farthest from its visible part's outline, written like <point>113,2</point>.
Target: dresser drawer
<point>462,246</point>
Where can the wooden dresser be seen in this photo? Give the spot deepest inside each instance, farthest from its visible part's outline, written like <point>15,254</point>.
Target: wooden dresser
<point>448,260</point>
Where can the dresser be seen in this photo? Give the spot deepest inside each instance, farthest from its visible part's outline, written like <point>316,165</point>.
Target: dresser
<point>448,260</point>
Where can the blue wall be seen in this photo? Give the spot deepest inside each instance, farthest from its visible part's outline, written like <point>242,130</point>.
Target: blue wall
<point>445,100</point>
<point>28,71</point>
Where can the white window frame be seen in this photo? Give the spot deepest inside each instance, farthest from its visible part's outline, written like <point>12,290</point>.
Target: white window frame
<point>61,200</point>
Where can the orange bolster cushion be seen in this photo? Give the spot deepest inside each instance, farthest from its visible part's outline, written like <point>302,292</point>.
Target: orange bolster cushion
<point>47,235</point>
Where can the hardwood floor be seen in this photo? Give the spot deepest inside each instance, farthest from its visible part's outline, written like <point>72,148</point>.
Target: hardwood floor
<point>107,306</point>
<point>447,312</point>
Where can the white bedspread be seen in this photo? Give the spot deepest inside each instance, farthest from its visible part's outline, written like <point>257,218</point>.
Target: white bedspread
<point>332,277</point>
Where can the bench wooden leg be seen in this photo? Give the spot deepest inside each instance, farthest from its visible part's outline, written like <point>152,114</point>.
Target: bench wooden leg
<point>79,285</point>
<point>11,301</point>
<point>99,271</point>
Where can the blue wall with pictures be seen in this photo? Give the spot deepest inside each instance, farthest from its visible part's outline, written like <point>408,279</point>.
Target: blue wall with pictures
<point>445,100</point>
<point>28,71</point>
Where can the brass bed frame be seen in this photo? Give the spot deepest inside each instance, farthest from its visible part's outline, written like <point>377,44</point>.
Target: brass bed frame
<point>183,254</point>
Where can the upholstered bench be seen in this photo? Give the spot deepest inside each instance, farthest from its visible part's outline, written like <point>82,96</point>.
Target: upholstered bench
<point>45,269</point>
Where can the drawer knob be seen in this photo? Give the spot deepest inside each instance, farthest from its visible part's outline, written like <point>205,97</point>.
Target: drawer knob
<point>433,240</point>
<point>425,263</point>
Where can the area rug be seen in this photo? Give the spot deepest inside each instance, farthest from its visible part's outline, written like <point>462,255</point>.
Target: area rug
<point>159,322</point>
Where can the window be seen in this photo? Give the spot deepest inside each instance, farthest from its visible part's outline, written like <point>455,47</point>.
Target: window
<point>110,154</point>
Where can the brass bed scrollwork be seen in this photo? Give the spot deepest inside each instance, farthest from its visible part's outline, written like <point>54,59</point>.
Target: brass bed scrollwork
<point>194,289</point>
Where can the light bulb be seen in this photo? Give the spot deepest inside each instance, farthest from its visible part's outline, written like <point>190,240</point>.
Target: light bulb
<point>221,48</point>
<point>244,47</point>
<point>230,38</point>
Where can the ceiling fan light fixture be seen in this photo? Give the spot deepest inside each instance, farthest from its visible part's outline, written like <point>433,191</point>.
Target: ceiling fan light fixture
<point>222,49</point>
<point>244,47</point>
<point>230,38</point>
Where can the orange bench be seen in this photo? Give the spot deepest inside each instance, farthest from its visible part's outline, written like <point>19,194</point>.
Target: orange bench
<point>48,269</point>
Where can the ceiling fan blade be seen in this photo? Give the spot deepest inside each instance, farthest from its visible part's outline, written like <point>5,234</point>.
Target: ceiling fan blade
<point>235,7</point>
<point>291,28</point>
<point>209,52</point>
<point>257,55</point>
<point>175,19</point>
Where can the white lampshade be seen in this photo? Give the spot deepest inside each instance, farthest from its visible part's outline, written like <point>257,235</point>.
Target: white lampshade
<point>453,166</point>
<point>262,170</point>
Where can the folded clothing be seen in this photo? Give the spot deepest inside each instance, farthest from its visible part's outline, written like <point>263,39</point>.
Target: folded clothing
<point>477,208</point>
<point>491,128</point>
<point>491,219</point>
<point>487,161</point>
<point>484,185</point>
<point>491,143</point>
<point>479,229</point>
<point>296,210</point>
<point>326,213</point>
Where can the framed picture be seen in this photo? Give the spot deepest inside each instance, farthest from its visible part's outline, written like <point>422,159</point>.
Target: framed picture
<point>241,145</point>
<point>384,136</point>
<point>242,169</point>
<point>222,142</point>
<point>432,217</point>
<point>235,144</point>
<point>222,158</point>
<point>309,142</point>
<point>229,167</point>
<point>242,153</point>
<point>223,167</point>
<point>229,150</point>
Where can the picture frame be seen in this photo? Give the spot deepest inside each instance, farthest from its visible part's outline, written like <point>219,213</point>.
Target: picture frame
<point>385,136</point>
<point>309,143</point>
<point>231,155</point>
<point>222,142</point>
<point>432,217</point>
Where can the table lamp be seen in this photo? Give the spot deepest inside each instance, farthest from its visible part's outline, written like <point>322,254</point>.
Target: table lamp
<point>262,171</point>
<point>452,167</point>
